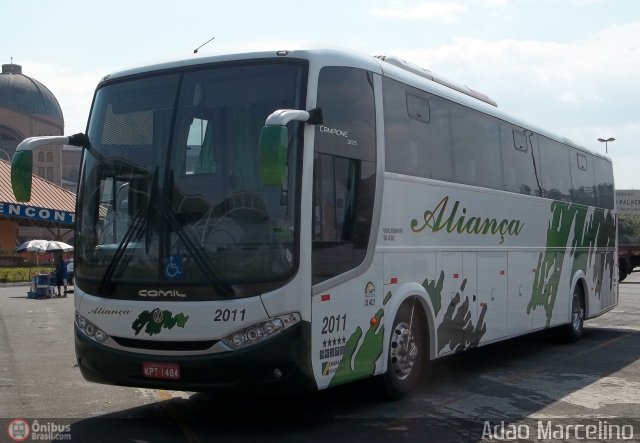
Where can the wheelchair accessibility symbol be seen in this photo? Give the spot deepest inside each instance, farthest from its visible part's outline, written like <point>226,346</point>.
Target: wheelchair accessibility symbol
<point>174,269</point>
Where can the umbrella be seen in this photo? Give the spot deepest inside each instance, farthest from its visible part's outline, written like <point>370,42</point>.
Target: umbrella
<point>57,246</point>
<point>38,246</point>
<point>33,246</point>
<point>44,246</point>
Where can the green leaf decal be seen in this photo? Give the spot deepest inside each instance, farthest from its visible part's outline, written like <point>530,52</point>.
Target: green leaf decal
<point>364,363</point>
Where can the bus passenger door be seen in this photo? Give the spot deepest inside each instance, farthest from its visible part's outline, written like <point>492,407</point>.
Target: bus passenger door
<point>492,294</point>
<point>346,278</point>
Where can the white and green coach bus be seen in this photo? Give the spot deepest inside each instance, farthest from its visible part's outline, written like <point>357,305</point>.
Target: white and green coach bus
<point>302,219</point>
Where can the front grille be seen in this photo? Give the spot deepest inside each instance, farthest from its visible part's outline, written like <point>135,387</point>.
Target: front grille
<point>201,345</point>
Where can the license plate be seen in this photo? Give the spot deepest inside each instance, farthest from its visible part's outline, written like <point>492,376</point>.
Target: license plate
<point>166,371</point>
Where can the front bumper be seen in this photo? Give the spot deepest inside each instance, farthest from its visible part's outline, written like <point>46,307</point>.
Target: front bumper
<point>252,369</point>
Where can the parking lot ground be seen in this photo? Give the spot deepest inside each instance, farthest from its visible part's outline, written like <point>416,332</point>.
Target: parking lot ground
<point>515,385</point>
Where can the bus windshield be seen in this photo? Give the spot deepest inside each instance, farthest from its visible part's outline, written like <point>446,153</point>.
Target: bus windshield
<point>170,191</point>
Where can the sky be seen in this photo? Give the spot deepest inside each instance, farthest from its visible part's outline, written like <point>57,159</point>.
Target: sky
<point>571,67</point>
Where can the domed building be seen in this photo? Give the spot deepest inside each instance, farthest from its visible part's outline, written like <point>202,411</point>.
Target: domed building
<point>27,109</point>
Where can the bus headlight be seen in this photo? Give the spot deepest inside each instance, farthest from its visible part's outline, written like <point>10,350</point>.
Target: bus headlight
<point>90,330</point>
<point>260,331</point>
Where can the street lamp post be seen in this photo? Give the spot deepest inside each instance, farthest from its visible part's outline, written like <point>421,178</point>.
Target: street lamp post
<point>606,143</point>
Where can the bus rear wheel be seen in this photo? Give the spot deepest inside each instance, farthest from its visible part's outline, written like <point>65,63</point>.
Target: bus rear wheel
<point>622,270</point>
<point>407,352</point>
<point>573,331</point>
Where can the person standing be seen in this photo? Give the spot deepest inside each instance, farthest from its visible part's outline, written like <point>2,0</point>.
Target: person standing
<point>61,275</point>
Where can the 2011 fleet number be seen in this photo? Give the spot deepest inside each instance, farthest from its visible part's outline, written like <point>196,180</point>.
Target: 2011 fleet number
<point>334,323</point>
<point>229,315</point>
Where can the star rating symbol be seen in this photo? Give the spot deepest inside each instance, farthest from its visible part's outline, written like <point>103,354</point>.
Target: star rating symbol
<point>334,341</point>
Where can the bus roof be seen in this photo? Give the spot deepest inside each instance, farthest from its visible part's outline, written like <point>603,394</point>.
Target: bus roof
<point>334,57</point>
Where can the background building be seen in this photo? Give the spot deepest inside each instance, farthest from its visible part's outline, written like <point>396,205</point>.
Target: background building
<point>50,214</point>
<point>27,109</point>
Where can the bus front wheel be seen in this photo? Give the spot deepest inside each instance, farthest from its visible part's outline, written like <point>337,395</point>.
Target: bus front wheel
<point>408,354</point>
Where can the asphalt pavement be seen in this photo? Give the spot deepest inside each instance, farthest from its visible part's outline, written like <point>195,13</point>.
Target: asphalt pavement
<point>528,384</point>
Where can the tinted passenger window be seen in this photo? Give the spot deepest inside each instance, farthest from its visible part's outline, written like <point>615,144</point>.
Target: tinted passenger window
<point>519,160</point>
<point>345,96</point>
<point>428,136</point>
<point>556,176</point>
<point>582,179</point>
<point>416,145</point>
<point>344,171</point>
<point>604,183</point>
<point>476,148</point>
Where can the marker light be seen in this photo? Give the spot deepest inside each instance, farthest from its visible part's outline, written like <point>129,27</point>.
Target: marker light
<point>261,331</point>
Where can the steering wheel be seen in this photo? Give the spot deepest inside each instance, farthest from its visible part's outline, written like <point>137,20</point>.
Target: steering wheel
<point>246,204</point>
<point>243,229</point>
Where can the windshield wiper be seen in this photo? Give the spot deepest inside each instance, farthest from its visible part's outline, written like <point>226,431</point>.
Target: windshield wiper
<point>152,196</point>
<point>135,229</point>
<point>142,221</point>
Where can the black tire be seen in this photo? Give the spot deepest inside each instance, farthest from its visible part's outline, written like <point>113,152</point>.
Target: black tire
<point>622,268</point>
<point>408,352</point>
<point>573,331</point>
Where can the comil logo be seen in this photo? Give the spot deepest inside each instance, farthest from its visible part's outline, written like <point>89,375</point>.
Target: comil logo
<point>159,293</point>
<point>19,430</point>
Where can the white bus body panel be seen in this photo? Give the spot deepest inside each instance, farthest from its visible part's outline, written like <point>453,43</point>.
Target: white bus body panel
<point>177,321</point>
<point>476,287</point>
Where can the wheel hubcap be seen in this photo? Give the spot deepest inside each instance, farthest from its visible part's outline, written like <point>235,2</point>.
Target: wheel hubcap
<point>577,314</point>
<point>403,351</point>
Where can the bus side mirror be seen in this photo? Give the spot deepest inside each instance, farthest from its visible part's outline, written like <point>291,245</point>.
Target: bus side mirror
<point>274,147</point>
<point>274,142</point>
<point>22,163</point>
<point>21,167</point>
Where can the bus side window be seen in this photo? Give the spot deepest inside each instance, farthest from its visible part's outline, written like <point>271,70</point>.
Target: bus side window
<point>334,186</point>
<point>582,180</point>
<point>604,183</point>
<point>520,161</point>
<point>343,197</point>
<point>418,132</point>
<point>476,148</point>
<point>556,178</point>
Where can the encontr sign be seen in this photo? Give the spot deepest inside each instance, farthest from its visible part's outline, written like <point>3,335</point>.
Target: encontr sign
<point>35,213</point>
<point>628,200</point>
